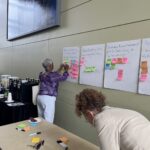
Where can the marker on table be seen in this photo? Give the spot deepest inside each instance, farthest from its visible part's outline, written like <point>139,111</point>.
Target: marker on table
<point>34,133</point>
<point>20,129</point>
<point>62,144</point>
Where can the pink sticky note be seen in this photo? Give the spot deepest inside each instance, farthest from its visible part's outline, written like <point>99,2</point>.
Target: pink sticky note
<point>143,77</point>
<point>125,60</point>
<point>81,62</point>
<point>120,74</point>
<point>74,67</point>
<point>74,72</point>
<point>114,61</point>
<point>74,75</point>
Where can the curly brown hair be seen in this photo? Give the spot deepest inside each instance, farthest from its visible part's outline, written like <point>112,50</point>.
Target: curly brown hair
<point>89,99</point>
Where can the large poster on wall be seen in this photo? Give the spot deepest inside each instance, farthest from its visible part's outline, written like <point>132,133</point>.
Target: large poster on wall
<point>144,74</point>
<point>71,57</point>
<point>92,65</point>
<point>122,65</point>
<point>28,16</point>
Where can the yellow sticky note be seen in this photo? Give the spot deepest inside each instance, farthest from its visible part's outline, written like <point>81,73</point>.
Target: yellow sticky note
<point>35,139</point>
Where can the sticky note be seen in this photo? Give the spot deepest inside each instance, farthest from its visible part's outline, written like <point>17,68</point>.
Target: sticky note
<point>81,62</point>
<point>108,61</point>
<point>114,61</point>
<point>27,128</point>
<point>144,65</point>
<point>21,126</point>
<point>35,139</point>
<point>87,69</point>
<point>120,75</point>
<point>66,61</point>
<point>144,70</point>
<point>74,68</point>
<point>74,73</point>
<point>90,69</point>
<point>119,61</point>
<point>113,66</point>
<point>63,139</point>
<point>93,69</point>
<point>125,60</point>
<point>107,66</point>
<point>74,76</point>
<point>143,77</point>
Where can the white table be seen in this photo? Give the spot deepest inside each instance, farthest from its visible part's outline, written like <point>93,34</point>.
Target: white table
<point>11,139</point>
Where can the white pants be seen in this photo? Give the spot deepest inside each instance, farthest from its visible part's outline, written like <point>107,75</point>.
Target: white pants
<point>46,107</point>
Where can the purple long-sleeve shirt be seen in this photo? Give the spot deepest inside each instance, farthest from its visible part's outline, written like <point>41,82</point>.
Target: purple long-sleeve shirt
<point>49,82</point>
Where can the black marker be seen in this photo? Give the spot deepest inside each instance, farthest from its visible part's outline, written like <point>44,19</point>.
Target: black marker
<point>62,144</point>
<point>20,129</point>
<point>34,133</point>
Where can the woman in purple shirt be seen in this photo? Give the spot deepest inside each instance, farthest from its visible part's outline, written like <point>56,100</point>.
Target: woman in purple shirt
<point>48,90</point>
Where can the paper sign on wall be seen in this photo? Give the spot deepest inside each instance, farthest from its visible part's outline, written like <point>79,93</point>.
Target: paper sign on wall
<point>144,72</point>
<point>92,65</point>
<point>121,65</point>
<point>71,57</point>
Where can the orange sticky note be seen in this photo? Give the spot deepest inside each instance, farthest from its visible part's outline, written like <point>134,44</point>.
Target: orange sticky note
<point>144,64</point>
<point>144,70</point>
<point>27,129</point>
<point>63,139</point>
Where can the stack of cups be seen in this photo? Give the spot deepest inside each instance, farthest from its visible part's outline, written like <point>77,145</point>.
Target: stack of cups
<point>9,98</point>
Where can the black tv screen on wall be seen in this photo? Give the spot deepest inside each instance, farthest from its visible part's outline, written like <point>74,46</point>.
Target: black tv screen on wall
<point>29,16</point>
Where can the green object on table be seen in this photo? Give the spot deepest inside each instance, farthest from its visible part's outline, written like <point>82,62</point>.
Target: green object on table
<point>21,126</point>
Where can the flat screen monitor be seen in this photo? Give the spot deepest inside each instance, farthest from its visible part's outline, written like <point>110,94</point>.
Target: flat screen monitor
<point>30,16</point>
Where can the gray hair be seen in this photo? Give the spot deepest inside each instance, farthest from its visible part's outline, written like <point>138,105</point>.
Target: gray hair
<point>47,62</point>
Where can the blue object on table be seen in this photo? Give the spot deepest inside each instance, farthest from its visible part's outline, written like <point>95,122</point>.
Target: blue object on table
<point>33,124</point>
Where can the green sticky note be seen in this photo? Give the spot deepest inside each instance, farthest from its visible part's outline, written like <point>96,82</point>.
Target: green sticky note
<point>90,69</point>
<point>87,69</point>
<point>21,126</point>
<point>93,69</point>
<point>113,66</point>
<point>108,61</point>
<point>66,61</point>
